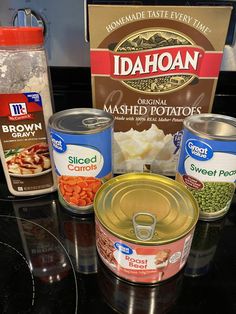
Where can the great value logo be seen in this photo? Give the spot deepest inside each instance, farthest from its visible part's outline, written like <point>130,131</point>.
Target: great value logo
<point>123,248</point>
<point>198,150</point>
<point>57,143</point>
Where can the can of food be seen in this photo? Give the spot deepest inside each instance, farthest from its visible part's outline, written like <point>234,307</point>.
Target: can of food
<point>207,163</point>
<point>81,142</point>
<point>144,226</point>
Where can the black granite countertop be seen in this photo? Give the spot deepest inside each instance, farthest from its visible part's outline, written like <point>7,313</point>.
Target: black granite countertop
<point>49,264</point>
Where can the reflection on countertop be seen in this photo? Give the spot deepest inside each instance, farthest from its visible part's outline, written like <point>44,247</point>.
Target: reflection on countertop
<point>49,264</point>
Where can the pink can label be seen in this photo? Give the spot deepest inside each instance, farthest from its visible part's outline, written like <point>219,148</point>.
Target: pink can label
<point>142,263</point>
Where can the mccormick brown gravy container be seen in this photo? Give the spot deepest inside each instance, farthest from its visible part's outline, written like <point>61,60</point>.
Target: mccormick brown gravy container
<point>144,226</point>
<point>26,105</point>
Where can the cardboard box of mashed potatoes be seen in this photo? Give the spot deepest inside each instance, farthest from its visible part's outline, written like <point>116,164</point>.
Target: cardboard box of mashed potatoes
<point>151,67</point>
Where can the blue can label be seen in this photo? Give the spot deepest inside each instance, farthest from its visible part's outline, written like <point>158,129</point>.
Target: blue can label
<point>208,169</point>
<point>82,162</point>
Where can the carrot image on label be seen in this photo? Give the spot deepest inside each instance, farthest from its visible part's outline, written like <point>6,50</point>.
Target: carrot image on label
<point>79,191</point>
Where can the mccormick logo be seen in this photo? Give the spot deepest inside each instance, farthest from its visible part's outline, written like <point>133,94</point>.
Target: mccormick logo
<point>19,111</point>
<point>155,61</point>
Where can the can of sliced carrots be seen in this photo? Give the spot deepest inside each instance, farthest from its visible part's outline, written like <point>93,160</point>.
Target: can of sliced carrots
<point>81,148</point>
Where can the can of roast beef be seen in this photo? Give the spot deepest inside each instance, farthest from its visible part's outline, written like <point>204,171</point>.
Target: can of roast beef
<point>207,163</point>
<point>144,226</point>
<point>81,142</point>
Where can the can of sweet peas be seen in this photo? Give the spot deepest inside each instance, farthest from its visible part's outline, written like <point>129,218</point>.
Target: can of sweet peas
<point>81,141</point>
<point>207,163</point>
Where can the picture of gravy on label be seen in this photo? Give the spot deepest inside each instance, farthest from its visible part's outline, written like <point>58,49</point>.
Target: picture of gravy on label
<point>151,68</point>
<point>28,161</point>
<point>24,144</point>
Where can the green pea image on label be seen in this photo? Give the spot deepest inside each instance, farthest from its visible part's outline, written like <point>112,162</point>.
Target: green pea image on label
<point>214,196</point>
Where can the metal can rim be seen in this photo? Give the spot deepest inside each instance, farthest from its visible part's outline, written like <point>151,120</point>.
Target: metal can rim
<point>56,117</point>
<point>223,118</point>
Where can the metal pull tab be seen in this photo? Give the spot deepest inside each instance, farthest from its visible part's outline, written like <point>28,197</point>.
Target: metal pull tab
<point>144,230</point>
<point>95,122</point>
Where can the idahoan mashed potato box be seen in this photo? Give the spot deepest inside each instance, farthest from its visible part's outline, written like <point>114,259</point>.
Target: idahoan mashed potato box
<point>151,67</point>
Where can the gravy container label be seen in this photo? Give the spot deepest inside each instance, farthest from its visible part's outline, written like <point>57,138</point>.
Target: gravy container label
<point>26,159</point>
<point>152,263</point>
<point>207,167</point>
<point>151,67</point>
